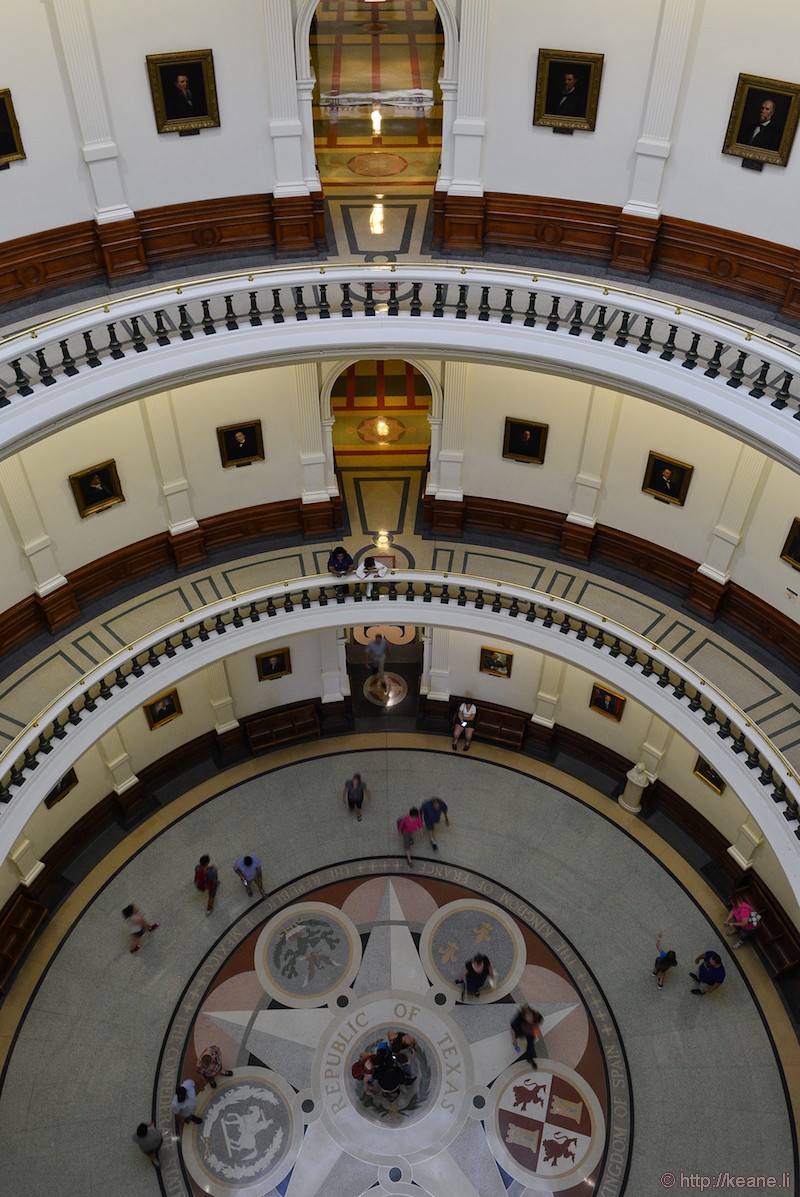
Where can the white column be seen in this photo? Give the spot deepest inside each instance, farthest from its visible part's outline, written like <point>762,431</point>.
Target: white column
<point>666,80</point>
<point>598,437</point>
<point>74,29</point>
<point>449,96</point>
<point>305,89</point>
<point>117,761</point>
<point>331,485</point>
<point>744,847</point>
<point>451,456</point>
<point>549,692</point>
<point>655,745</point>
<point>439,664</point>
<point>469,125</point>
<point>219,693</point>
<point>24,860</point>
<point>285,126</point>
<point>637,781</point>
<point>159,420</point>
<point>333,664</point>
<point>32,534</point>
<point>747,479</point>
<point>432,483</point>
<point>309,424</point>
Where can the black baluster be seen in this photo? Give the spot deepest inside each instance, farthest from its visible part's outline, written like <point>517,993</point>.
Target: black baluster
<point>530,314</point>
<point>548,620</point>
<point>186,640</point>
<point>5,794</point>
<point>484,311</point>
<point>782,395</point>
<point>277,307</point>
<point>565,627</point>
<point>779,793</point>
<point>230,316</point>
<point>513,610</point>
<point>647,668</point>
<point>645,338</point>
<point>690,357</point>
<point>323,597</point>
<point>369,300</point>
<point>347,303</point>
<point>89,703</point>
<point>753,759</point>
<point>254,315</point>
<point>300,312</point>
<point>288,605</point>
<point>737,373</point>
<point>600,639</point>
<point>724,731</point>
<point>679,691</point>
<point>120,678</point>
<point>632,658</point>
<point>169,649</point>
<point>462,597</point>
<point>765,776</point>
<point>73,715</point>
<point>21,379</point>
<point>219,626</point>
<point>255,615</point>
<point>92,358</point>
<point>113,342</point>
<point>305,601</point>
<point>162,337</point>
<point>668,352</point>
<point>438,302</point>
<point>271,608</point>
<point>237,619</point>
<point>203,632</point>
<point>59,731</point>
<point>105,690</point>
<point>324,306</point>
<point>392,592</point>
<point>461,304</point>
<point>760,384</point>
<point>576,323</point>
<point>583,631</point>
<point>695,701</point>
<point>621,338</point>
<point>531,617</point>
<point>497,603</point>
<point>479,603</point>
<point>710,715</point>
<point>4,400</point>
<point>552,321</point>
<point>394,305</point>
<point>184,324</point>
<point>508,309</point>
<point>45,372</point>
<point>409,595</point>
<point>415,307</point>
<point>715,362</point>
<point>663,678</point>
<point>599,333</point>
<point>738,745</point>
<point>427,593</point>
<point>136,667</point>
<point>444,597</point>
<point>209,328</point>
<point>357,595</point>
<point>138,338</point>
<point>152,659</point>
<point>44,747</point>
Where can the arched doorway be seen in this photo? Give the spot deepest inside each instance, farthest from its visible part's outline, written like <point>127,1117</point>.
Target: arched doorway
<point>377,103</point>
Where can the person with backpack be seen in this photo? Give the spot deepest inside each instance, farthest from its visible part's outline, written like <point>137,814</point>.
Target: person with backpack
<point>206,879</point>
<point>408,825</point>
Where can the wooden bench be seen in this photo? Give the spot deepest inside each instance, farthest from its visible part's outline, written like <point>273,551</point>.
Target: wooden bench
<point>22,920</point>
<point>496,724</point>
<point>272,728</point>
<point>776,939</point>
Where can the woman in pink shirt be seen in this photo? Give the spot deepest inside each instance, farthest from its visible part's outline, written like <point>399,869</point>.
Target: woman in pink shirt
<point>408,825</point>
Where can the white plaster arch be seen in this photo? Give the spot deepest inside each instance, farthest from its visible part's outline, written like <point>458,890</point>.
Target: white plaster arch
<point>338,368</point>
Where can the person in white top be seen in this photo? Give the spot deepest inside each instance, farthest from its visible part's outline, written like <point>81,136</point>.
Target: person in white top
<point>370,568</point>
<point>184,1103</point>
<point>466,715</point>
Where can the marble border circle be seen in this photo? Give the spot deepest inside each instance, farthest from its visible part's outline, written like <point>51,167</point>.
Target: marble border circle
<point>507,981</point>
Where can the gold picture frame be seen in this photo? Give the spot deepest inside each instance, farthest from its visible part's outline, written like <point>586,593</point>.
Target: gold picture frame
<point>496,662</point>
<point>607,702</point>
<point>11,149</point>
<point>704,771</point>
<point>667,479</point>
<point>97,488</point>
<point>791,547</point>
<point>162,709</point>
<point>567,90</point>
<point>276,663</point>
<point>240,444</point>
<point>68,782</point>
<point>755,99</point>
<point>184,91</point>
<point>523,440</point>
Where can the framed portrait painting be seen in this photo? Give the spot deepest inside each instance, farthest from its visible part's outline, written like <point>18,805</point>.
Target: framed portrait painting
<point>68,782</point>
<point>184,91</point>
<point>10,141</point>
<point>162,709</point>
<point>97,488</point>
<point>607,702</point>
<point>791,549</point>
<point>496,662</point>
<point>763,120</point>
<point>703,770</point>
<point>567,90</point>
<point>667,479</point>
<point>525,441</point>
<point>276,663</point>
<point>240,444</point>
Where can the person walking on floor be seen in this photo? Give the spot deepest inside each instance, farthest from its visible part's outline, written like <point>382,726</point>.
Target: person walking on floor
<point>354,794</point>
<point>711,973</point>
<point>138,925</point>
<point>375,656</point>
<point>148,1138</point>
<point>206,879</point>
<point>248,869</point>
<point>526,1025</point>
<point>476,973</point>
<point>184,1103</point>
<point>209,1065</point>
<point>432,811</point>
<point>408,825</point>
<point>466,715</point>
<point>664,960</point>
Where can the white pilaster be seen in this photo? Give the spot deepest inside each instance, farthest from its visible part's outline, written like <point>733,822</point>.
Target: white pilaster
<point>331,485</point>
<point>746,844</point>
<point>117,761</point>
<point>747,479</point>
<point>25,862</point>
<point>432,482</point>
<point>74,29</point>
<point>333,665</point>
<point>285,126</point>
<point>598,437</point>
<point>666,79</point>
<point>655,745</point>
<point>469,125</point>
<point>309,426</point>
<point>219,693</point>
<point>451,456</point>
<point>549,692</point>
<point>32,534</point>
<point>158,416</point>
<point>438,674</point>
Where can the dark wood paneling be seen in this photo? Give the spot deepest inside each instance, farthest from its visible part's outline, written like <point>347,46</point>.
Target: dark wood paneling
<point>122,248</point>
<point>63,257</point>
<point>252,523</point>
<point>514,519</point>
<point>763,622</point>
<point>462,223</point>
<point>295,223</point>
<point>184,231</point>
<point>560,225</point>
<point>20,622</point>
<point>671,571</point>
<point>635,243</point>
<point>721,258</point>
<point>115,569</point>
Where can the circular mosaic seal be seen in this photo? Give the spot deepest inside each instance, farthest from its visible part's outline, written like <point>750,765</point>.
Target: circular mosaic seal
<point>460,930</point>
<point>307,954</point>
<point>548,1129</point>
<point>377,164</point>
<point>250,1135</point>
<point>395,690</point>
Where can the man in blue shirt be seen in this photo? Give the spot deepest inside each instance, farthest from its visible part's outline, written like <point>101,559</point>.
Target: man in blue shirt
<point>711,973</point>
<point>432,811</point>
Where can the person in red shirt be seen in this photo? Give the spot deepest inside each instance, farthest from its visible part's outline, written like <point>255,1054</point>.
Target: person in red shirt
<point>408,825</point>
